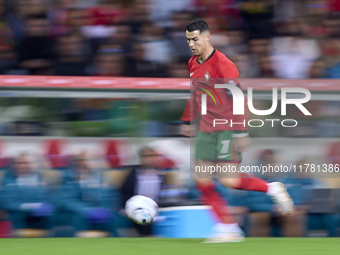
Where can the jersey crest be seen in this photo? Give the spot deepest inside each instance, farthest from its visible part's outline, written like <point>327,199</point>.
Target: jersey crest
<point>207,76</point>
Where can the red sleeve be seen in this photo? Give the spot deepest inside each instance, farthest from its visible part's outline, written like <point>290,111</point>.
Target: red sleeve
<point>228,70</point>
<point>190,112</point>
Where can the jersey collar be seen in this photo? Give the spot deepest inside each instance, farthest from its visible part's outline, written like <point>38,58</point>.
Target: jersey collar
<point>212,53</point>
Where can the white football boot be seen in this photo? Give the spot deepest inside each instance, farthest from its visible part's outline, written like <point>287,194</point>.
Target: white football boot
<point>223,234</point>
<point>280,196</point>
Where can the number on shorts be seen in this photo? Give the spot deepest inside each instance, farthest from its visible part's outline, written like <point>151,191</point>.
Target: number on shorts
<point>225,146</point>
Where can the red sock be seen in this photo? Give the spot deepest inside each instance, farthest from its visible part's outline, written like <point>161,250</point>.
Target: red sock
<point>252,183</point>
<point>219,205</point>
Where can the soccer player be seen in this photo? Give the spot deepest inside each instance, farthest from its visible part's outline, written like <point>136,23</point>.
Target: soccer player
<point>220,144</point>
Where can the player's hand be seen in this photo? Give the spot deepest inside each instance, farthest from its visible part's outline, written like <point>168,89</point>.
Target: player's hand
<point>184,129</point>
<point>242,143</point>
<point>187,130</point>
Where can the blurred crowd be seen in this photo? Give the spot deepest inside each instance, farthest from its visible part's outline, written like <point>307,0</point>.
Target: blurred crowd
<point>79,195</point>
<point>83,194</point>
<point>146,38</point>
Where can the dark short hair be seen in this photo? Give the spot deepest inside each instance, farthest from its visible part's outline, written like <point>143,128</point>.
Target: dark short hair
<point>198,24</point>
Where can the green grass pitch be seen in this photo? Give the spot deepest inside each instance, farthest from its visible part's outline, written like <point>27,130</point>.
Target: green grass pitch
<point>164,246</point>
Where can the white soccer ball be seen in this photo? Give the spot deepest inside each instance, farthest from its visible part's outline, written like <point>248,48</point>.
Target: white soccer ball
<point>141,210</point>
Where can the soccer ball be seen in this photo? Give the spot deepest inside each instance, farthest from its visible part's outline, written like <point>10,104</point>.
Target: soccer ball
<point>141,210</point>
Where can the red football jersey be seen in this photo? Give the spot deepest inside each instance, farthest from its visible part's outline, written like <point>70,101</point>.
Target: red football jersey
<point>216,69</point>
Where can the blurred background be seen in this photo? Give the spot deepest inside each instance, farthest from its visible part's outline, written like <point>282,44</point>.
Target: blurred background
<point>69,159</point>
<point>144,38</point>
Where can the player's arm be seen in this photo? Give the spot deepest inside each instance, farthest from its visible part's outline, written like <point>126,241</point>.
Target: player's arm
<point>184,127</point>
<point>189,113</point>
<point>187,128</point>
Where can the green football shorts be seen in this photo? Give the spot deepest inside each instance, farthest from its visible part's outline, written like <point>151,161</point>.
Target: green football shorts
<point>217,147</point>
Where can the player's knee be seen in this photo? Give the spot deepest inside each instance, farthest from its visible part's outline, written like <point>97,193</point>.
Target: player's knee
<point>203,181</point>
<point>230,182</point>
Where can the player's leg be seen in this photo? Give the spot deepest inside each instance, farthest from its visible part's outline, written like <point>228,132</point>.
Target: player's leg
<point>227,230</point>
<point>209,196</point>
<point>205,154</point>
<point>275,190</point>
<point>241,181</point>
<point>230,159</point>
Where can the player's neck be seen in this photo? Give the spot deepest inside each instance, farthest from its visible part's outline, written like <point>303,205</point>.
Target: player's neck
<point>207,53</point>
